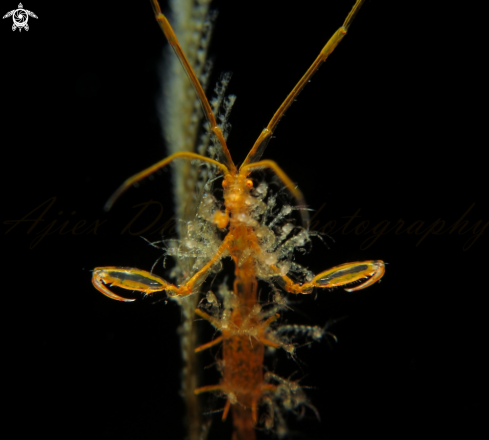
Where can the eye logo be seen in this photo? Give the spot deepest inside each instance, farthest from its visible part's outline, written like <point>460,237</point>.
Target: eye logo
<point>20,17</point>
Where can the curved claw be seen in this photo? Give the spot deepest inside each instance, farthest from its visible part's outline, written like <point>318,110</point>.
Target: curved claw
<point>349,273</point>
<point>98,283</point>
<point>379,270</point>
<point>126,278</point>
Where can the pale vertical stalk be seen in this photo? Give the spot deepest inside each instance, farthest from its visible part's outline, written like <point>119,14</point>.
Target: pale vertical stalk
<point>181,116</point>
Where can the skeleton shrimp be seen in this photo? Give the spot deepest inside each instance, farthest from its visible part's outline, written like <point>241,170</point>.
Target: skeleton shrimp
<point>260,242</point>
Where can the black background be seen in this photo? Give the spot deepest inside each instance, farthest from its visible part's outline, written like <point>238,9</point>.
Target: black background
<point>392,126</point>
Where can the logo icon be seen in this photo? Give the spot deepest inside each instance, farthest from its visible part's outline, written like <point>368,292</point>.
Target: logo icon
<point>20,17</point>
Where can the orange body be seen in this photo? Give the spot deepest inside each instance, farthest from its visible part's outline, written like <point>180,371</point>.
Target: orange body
<point>242,372</point>
<point>261,243</point>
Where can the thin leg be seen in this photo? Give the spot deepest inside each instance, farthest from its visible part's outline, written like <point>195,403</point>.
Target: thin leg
<point>209,344</point>
<point>270,320</point>
<point>285,180</point>
<point>254,410</point>
<point>257,150</point>
<point>157,166</point>
<point>209,318</point>
<point>172,39</point>
<point>226,410</point>
<point>371,271</point>
<point>263,326</point>
<point>207,389</point>
<point>199,277</point>
<point>137,279</point>
<point>269,343</point>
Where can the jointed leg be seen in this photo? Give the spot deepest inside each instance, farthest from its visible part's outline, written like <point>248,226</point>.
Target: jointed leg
<point>209,318</point>
<point>264,325</point>
<point>127,278</point>
<point>157,166</point>
<point>209,344</point>
<point>172,39</point>
<point>226,410</point>
<point>257,150</point>
<point>207,389</point>
<point>199,277</point>
<point>245,169</point>
<point>371,270</point>
<point>137,279</point>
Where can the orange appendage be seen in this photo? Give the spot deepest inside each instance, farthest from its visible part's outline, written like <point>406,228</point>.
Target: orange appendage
<point>245,331</point>
<point>261,240</point>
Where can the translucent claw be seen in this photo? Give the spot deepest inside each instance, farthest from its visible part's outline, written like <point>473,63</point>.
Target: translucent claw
<point>101,287</point>
<point>126,278</point>
<point>257,235</point>
<point>378,274</point>
<point>349,273</point>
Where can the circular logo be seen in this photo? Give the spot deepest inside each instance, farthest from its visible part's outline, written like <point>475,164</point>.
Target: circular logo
<point>20,17</point>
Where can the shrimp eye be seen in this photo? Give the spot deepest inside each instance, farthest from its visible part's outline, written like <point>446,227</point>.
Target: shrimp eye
<point>249,183</point>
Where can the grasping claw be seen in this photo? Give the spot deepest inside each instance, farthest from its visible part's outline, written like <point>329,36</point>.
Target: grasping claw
<point>371,270</point>
<point>126,278</point>
<point>349,273</point>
